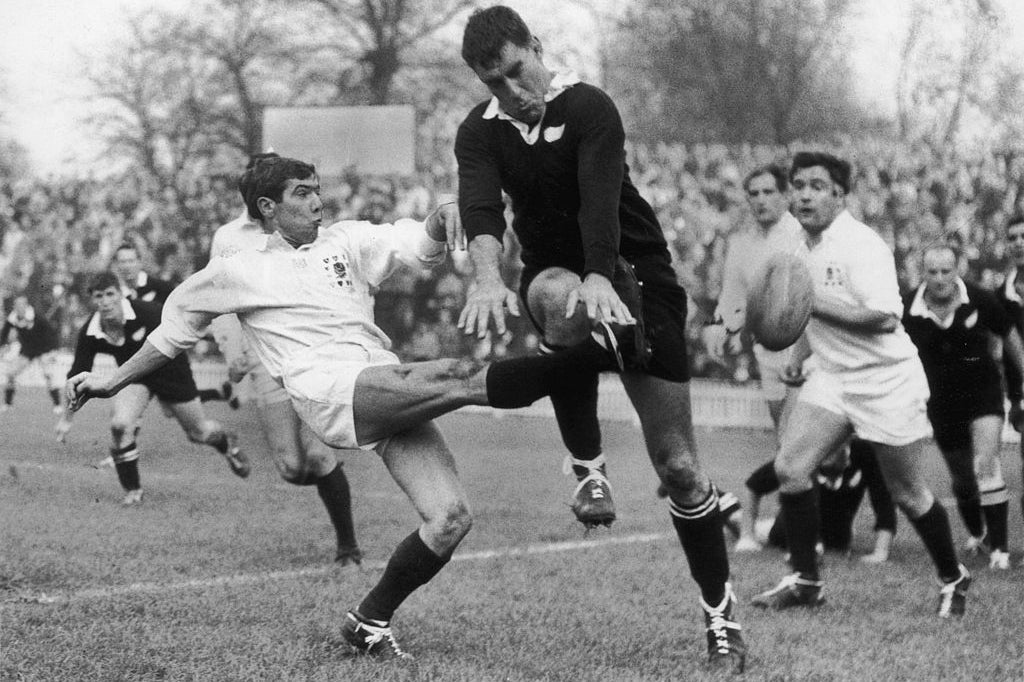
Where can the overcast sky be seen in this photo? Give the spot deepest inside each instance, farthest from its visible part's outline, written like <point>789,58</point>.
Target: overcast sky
<point>40,41</point>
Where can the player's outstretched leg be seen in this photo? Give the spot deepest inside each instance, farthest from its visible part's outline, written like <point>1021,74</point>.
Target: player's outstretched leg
<point>421,464</point>
<point>200,429</point>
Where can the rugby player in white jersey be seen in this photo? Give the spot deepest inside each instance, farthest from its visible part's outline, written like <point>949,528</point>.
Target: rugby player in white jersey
<point>767,191</point>
<point>304,300</point>
<point>300,457</point>
<point>868,381</point>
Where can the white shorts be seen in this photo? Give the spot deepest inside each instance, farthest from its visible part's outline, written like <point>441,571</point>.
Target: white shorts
<point>886,404</point>
<point>265,390</point>
<point>771,364</point>
<point>322,385</point>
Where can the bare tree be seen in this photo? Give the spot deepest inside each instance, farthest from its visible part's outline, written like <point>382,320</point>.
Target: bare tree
<point>739,70</point>
<point>369,42</point>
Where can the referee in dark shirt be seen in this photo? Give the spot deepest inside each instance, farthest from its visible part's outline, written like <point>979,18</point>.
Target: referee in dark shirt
<point>590,245</point>
<point>118,328</point>
<point>953,324</point>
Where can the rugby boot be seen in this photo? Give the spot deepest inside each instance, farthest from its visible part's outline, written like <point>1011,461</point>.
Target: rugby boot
<point>592,500</point>
<point>372,638</point>
<point>237,460</point>
<point>636,348</point>
<point>132,498</point>
<point>727,651</point>
<point>793,590</point>
<point>953,595</point>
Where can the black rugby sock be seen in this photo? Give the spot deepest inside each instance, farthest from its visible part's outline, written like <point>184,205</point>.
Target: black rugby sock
<point>996,521</point>
<point>700,533</point>
<point>55,396</point>
<point>411,565</point>
<point>575,406</point>
<point>519,382</point>
<point>933,527</point>
<point>970,512</point>
<point>334,491</point>
<point>799,512</point>
<point>126,464</point>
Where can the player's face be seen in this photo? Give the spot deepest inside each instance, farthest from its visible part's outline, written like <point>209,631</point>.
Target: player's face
<point>766,202</point>
<point>519,80</point>
<point>127,265</point>
<point>299,213</point>
<point>940,273</point>
<point>20,306</point>
<point>817,200</point>
<point>108,304</point>
<point>1015,244</point>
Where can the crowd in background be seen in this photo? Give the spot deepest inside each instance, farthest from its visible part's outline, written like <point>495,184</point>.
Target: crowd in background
<point>54,233</point>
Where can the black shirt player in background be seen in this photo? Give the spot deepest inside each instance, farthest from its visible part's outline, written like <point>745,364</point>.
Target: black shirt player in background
<point>118,328</point>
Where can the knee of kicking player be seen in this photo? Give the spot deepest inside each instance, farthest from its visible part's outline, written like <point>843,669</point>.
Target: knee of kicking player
<point>445,531</point>
<point>681,479</point>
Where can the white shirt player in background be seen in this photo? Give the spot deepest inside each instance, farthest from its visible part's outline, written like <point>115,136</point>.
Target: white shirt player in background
<point>304,297</point>
<point>300,457</point>
<point>767,191</point>
<point>868,381</point>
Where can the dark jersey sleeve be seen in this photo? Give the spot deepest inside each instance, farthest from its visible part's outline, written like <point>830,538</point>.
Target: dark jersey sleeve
<point>85,353</point>
<point>5,333</point>
<point>480,203</point>
<point>992,315</point>
<point>601,163</point>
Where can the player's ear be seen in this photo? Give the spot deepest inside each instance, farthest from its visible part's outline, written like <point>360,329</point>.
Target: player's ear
<point>537,47</point>
<point>266,205</point>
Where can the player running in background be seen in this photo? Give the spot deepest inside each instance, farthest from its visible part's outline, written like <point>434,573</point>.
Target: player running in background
<point>37,340</point>
<point>590,243</point>
<point>119,328</point>
<point>300,457</point>
<point>867,381</point>
<point>304,298</point>
<point>1011,295</point>
<point>767,192</point>
<point>953,324</point>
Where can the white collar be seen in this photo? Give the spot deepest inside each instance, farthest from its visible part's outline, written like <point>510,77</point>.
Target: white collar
<point>1010,289</point>
<point>562,81</point>
<point>95,329</point>
<point>919,308</point>
<point>23,322</point>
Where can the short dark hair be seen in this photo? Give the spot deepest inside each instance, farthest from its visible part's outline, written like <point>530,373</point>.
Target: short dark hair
<point>488,30</point>
<point>103,280</point>
<point>772,169</point>
<point>267,177</point>
<point>838,169</point>
<point>1015,219</point>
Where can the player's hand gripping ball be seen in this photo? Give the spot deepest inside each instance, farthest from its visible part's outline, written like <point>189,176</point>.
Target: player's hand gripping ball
<point>779,301</point>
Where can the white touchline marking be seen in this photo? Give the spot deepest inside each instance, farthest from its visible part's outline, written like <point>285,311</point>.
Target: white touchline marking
<point>271,576</point>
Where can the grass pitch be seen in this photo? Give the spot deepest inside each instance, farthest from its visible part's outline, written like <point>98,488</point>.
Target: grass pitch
<point>216,578</point>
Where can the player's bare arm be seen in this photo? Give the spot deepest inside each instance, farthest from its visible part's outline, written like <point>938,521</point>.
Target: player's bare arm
<point>81,387</point>
<point>855,318</point>
<point>488,298</point>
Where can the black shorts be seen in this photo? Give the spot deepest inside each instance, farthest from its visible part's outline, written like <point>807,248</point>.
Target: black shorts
<point>951,414</point>
<point>172,383</point>
<point>664,309</point>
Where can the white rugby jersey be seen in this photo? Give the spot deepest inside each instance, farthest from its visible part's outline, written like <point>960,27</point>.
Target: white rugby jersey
<point>241,233</point>
<point>291,300</point>
<point>852,264</point>
<point>747,252</point>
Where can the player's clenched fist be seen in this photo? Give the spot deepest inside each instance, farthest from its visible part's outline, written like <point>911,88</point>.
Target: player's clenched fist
<point>81,387</point>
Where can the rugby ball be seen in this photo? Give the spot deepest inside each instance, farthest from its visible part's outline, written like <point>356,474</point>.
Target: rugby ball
<point>779,301</point>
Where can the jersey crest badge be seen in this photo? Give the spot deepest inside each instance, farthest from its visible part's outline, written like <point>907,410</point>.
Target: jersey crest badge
<point>337,268</point>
